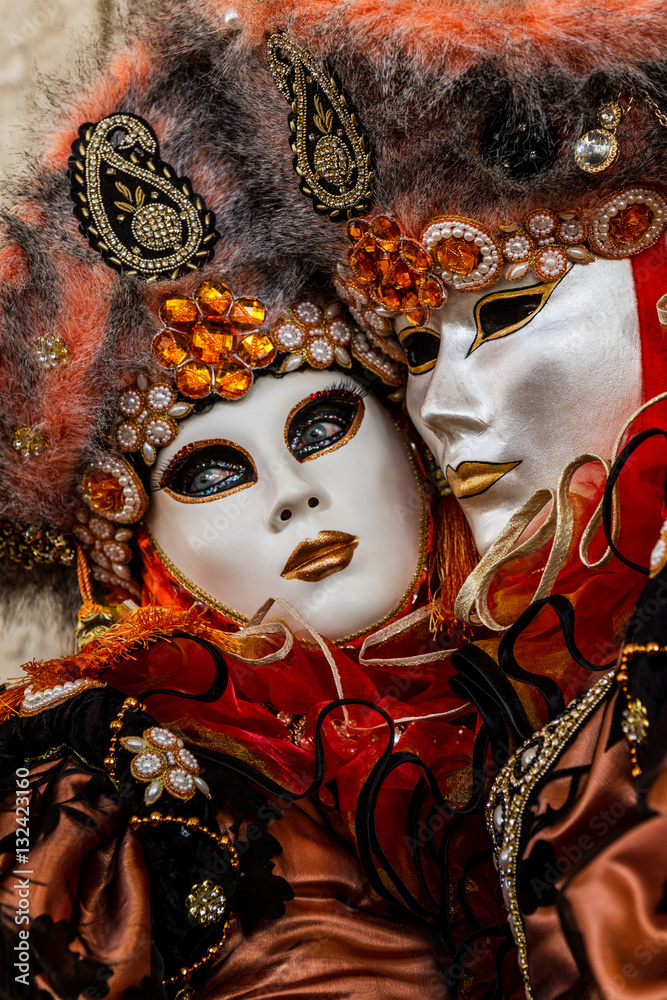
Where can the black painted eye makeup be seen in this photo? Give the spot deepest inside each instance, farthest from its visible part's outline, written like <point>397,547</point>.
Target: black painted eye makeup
<point>207,470</point>
<point>421,347</point>
<point>324,422</point>
<point>501,313</point>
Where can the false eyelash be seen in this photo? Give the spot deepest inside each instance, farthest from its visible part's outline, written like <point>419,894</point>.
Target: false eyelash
<point>348,384</point>
<point>165,467</point>
<point>157,474</point>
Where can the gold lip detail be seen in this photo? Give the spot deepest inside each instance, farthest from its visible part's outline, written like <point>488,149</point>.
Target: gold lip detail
<point>470,479</point>
<point>314,559</point>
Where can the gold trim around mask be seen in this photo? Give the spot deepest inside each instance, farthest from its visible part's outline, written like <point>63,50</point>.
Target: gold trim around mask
<point>242,620</point>
<point>545,288</point>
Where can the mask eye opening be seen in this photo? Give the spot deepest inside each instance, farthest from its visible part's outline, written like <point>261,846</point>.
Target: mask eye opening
<point>419,342</point>
<point>543,289</point>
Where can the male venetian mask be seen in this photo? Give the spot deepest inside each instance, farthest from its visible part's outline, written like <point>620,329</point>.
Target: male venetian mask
<point>507,386</point>
<point>301,490</point>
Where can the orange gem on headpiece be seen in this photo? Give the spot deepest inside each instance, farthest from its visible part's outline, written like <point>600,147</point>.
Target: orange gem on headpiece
<point>212,337</point>
<point>393,268</point>
<point>112,489</point>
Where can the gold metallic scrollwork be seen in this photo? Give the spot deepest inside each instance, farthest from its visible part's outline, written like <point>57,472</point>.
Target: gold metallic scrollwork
<point>331,152</point>
<point>132,207</point>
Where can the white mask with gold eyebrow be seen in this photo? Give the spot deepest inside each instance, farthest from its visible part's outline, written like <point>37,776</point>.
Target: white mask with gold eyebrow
<point>515,382</point>
<point>301,490</point>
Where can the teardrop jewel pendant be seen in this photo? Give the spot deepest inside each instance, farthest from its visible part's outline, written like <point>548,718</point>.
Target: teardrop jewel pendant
<point>597,150</point>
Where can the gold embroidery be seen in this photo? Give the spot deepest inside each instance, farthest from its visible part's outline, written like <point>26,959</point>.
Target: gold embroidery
<point>330,150</point>
<point>511,793</point>
<point>133,208</point>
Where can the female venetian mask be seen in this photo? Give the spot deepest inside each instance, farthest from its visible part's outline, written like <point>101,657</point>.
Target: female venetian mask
<point>301,490</point>
<point>507,387</point>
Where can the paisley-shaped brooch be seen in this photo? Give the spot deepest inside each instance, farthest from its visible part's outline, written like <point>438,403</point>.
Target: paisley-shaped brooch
<point>332,155</point>
<point>132,207</point>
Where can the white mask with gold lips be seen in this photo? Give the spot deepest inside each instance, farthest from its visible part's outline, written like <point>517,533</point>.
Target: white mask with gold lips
<point>301,490</point>
<point>512,384</point>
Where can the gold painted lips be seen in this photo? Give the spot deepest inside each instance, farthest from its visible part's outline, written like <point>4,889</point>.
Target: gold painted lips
<point>315,558</point>
<point>470,479</point>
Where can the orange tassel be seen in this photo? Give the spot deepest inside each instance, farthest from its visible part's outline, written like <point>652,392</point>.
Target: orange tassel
<point>456,558</point>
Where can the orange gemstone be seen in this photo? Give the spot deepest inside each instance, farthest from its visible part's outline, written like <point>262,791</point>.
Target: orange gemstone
<point>356,229</point>
<point>180,314</point>
<point>212,342</point>
<point>367,260</point>
<point>388,297</point>
<point>630,224</point>
<point>432,294</point>
<point>170,349</point>
<point>400,285</point>
<point>247,313</point>
<point>104,492</point>
<point>256,350</point>
<point>387,232</point>
<point>457,255</point>
<point>194,380</point>
<point>415,256</point>
<point>232,379</point>
<point>416,316</point>
<point>214,298</point>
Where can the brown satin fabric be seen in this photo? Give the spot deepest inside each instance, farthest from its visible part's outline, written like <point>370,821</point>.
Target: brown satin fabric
<point>619,903</point>
<point>602,935</point>
<point>338,939</point>
<point>92,876</point>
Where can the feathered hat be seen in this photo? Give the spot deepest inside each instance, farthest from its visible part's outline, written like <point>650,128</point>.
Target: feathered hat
<point>248,152</point>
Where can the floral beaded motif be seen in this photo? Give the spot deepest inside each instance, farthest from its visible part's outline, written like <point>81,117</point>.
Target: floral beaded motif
<point>164,763</point>
<point>511,794</point>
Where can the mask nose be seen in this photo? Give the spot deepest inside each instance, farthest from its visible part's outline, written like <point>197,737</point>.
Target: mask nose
<point>295,496</point>
<point>454,403</point>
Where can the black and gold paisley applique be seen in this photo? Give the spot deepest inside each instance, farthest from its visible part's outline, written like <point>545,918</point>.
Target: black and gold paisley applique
<point>133,208</point>
<point>331,151</point>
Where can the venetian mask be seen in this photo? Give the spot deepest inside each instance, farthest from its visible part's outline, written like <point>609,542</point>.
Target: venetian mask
<point>507,387</point>
<point>301,490</point>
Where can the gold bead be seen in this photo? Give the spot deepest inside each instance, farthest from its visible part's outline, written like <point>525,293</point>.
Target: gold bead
<point>131,703</point>
<point>621,677</point>
<point>116,724</point>
<point>155,818</point>
<point>109,762</point>
<point>193,823</point>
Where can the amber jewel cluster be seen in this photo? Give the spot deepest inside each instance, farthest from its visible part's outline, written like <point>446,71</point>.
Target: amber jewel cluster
<point>213,342</point>
<point>396,271</point>
<point>406,276</point>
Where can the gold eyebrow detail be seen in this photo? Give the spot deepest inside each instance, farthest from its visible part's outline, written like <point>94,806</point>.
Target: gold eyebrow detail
<point>544,289</point>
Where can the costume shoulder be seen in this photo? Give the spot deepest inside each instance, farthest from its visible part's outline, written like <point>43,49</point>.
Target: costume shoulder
<point>107,885</point>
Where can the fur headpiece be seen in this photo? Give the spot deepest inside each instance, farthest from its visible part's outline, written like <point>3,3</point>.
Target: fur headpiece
<point>442,90</point>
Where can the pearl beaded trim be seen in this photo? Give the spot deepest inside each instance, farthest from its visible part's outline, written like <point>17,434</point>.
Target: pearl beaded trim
<point>35,702</point>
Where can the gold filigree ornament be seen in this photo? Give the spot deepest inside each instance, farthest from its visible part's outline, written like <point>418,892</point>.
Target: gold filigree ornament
<point>28,441</point>
<point>52,352</point>
<point>132,207</point>
<point>331,151</point>
<point>164,764</point>
<point>35,543</point>
<point>206,903</point>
